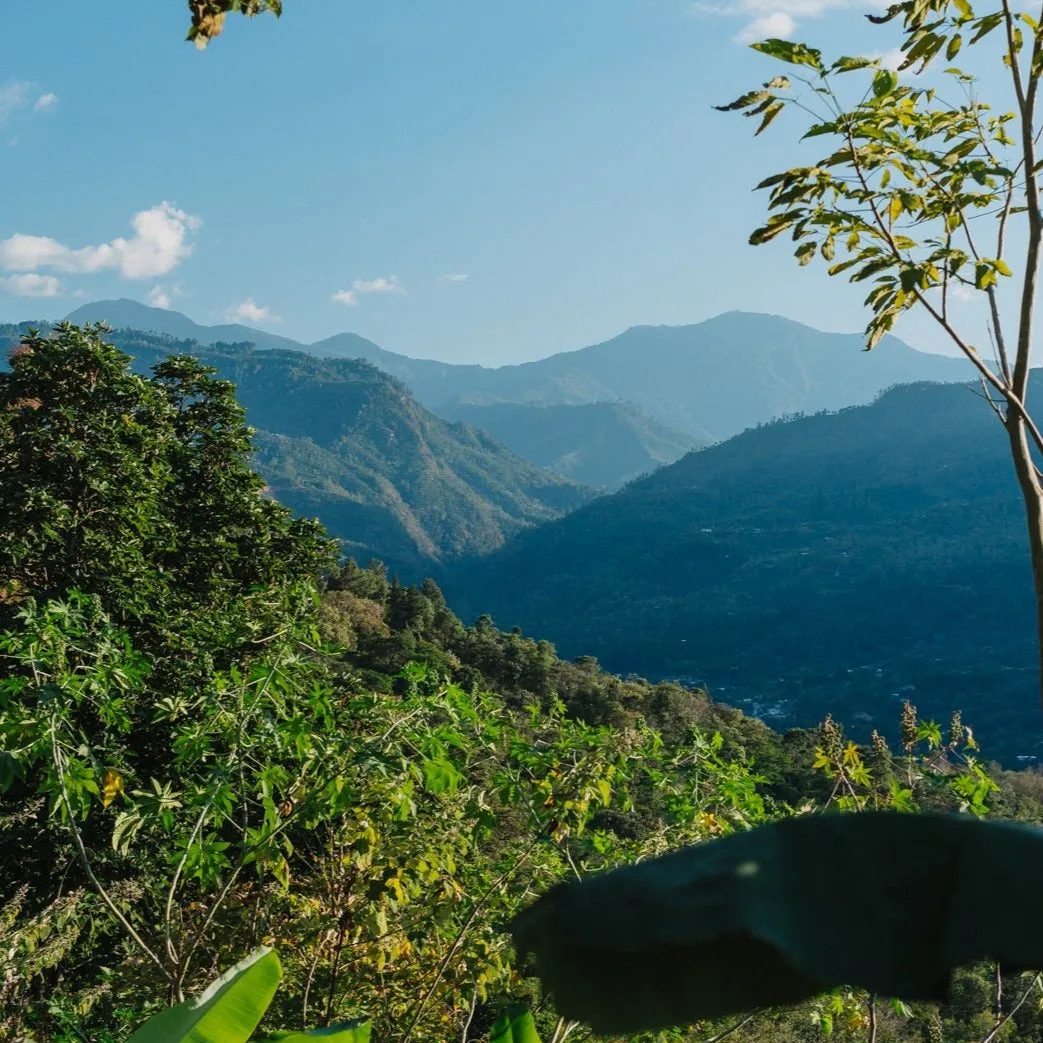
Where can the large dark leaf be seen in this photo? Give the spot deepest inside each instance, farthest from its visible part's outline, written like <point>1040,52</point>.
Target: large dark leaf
<point>887,902</point>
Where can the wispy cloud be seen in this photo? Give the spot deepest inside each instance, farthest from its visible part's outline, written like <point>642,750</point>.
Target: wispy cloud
<point>162,296</point>
<point>382,284</point>
<point>29,284</point>
<point>250,311</point>
<point>21,95</point>
<point>765,19</point>
<point>159,244</point>
<point>454,277</point>
<point>14,95</point>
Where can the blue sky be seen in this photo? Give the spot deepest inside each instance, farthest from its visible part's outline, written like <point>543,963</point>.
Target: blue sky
<point>469,181</point>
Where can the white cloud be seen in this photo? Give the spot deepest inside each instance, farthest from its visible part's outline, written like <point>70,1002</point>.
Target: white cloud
<point>29,284</point>
<point>454,277</point>
<point>766,19</point>
<point>383,284</point>
<point>18,95</point>
<point>891,59</point>
<point>161,296</point>
<point>776,26</point>
<point>248,311</point>
<point>14,95</point>
<point>158,245</point>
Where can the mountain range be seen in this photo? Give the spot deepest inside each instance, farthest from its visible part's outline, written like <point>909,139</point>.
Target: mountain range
<point>846,559</point>
<point>839,562</point>
<point>339,439</point>
<point>603,444</point>
<point>710,380</point>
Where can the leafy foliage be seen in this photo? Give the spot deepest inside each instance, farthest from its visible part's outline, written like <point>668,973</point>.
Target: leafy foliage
<point>208,16</point>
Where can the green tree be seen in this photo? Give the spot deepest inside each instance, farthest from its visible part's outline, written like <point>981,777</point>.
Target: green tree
<point>925,190</point>
<point>138,489</point>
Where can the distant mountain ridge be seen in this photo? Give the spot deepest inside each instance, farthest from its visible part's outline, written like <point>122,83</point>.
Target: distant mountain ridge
<point>340,439</point>
<point>839,562</point>
<point>603,444</point>
<point>710,380</point>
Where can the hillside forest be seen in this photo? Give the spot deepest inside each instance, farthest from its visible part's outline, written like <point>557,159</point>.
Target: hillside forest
<point>216,732</point>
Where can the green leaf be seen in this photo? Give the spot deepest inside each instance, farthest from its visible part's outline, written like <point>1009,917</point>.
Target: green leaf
<point>769,114</point>
<point>846,64</point>
<point>953,47</point>
<point>984,275</point>
<point>356,1031</point>
<point>514,1027</point>
<point>884,82</point>
<point>227,1012</point>
<point>805,252</point>
<point>788,51</point>
<point>722,928</point>
<point>744,101</point>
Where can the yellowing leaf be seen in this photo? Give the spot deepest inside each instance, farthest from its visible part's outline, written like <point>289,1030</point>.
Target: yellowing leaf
<point>112,788</point>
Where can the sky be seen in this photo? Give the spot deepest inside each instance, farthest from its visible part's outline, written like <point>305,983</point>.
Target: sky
<point>467,181</point>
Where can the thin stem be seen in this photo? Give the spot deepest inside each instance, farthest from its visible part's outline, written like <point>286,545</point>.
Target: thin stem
<point>462,933</point>
<point>991,1034</point>
<point>85,862</point>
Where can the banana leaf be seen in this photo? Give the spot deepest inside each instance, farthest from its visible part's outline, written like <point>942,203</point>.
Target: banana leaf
<point>887,902</point>
<point>356,1031</point>
<point>515,1026</point>
<point>227,1012</point>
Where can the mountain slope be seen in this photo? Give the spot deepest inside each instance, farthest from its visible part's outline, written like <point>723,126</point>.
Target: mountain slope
<point>837,562</point>
<point>339,439</point>
<point>710,380</point>
<point>602,443</point>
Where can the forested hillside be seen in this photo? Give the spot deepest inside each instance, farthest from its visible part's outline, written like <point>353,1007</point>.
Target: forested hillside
<point>212,736</point>
<point>835,562</point>
<point>340,440</point>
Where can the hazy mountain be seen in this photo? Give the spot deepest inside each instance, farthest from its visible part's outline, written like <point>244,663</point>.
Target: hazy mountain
<point>710,380</point>
<point>341,440</point>
<point>603,443</point>
<point>132,315</point>
<point>832,563</point>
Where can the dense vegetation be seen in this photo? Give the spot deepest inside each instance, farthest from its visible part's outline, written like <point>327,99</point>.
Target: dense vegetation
<point>339,439</point>
<point>211,736</point>
<point>836,562</point>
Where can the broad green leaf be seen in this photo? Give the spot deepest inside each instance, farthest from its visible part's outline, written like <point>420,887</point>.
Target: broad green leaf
<point>514,1027</point>
<point>356,1031</point>
<point>723,927</point>
<point>788,51</point>
<point>227,1012</point>
<point>848,64</point>
<point>884,82</point>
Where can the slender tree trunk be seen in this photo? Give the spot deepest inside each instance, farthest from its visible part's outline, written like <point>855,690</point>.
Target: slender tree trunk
<point>1032,494</point>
